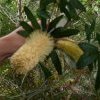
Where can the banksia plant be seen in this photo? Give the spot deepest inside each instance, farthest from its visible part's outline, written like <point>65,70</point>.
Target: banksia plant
<point>40,41</point>
<point>44,52</point>
<point>46,40</point>
<point>38,45</point>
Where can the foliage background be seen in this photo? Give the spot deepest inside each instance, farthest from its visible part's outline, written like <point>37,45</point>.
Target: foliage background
<point>72,84</point>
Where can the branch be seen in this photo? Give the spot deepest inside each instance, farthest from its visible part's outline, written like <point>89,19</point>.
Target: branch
<point>20,10</point>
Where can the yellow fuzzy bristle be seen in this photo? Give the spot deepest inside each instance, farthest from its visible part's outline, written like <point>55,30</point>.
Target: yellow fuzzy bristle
<point>70,48</point>
<point>35,50</point>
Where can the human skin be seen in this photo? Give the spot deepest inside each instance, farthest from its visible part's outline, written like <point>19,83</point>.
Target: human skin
<point>10,43</point>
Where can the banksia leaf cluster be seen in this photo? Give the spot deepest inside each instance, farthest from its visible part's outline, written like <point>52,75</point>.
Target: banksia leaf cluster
<point>70,48</point>
<point>38,45</point>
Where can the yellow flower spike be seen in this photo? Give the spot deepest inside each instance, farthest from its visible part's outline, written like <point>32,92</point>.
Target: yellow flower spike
<point>70,48</point>
<point>35,50</point>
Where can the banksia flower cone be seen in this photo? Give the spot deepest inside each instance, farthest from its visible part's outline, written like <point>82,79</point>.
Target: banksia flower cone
<point>70,48</point>
<point>35,50</point>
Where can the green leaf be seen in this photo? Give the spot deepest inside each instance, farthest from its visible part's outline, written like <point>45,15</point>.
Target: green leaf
<point>43,15</point>
<point>98,37</point>
<point>26,26</point>
<point>62,5</point>
<point>56,62</point>
<point>8,1</point>
<point>72,11</point>
<point>86,59</point>
<point>54,22</point>
<point>97,82</point>
<point>87,47</point>
<point>92,27</point>
<point>43,24</point>
<point>63,32</point>
<point>89,29</point>
<point>78,5</point>
<point>23,33</point>
<point>90,67</point>
<point>46,71</point>
<point>32,18</point>
<point>88,32</point>
<point>44,3</point>
<point>89,56</point>
<point>66,12</point>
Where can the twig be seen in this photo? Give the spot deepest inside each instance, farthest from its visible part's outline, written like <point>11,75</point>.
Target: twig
<point>20,10</point>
